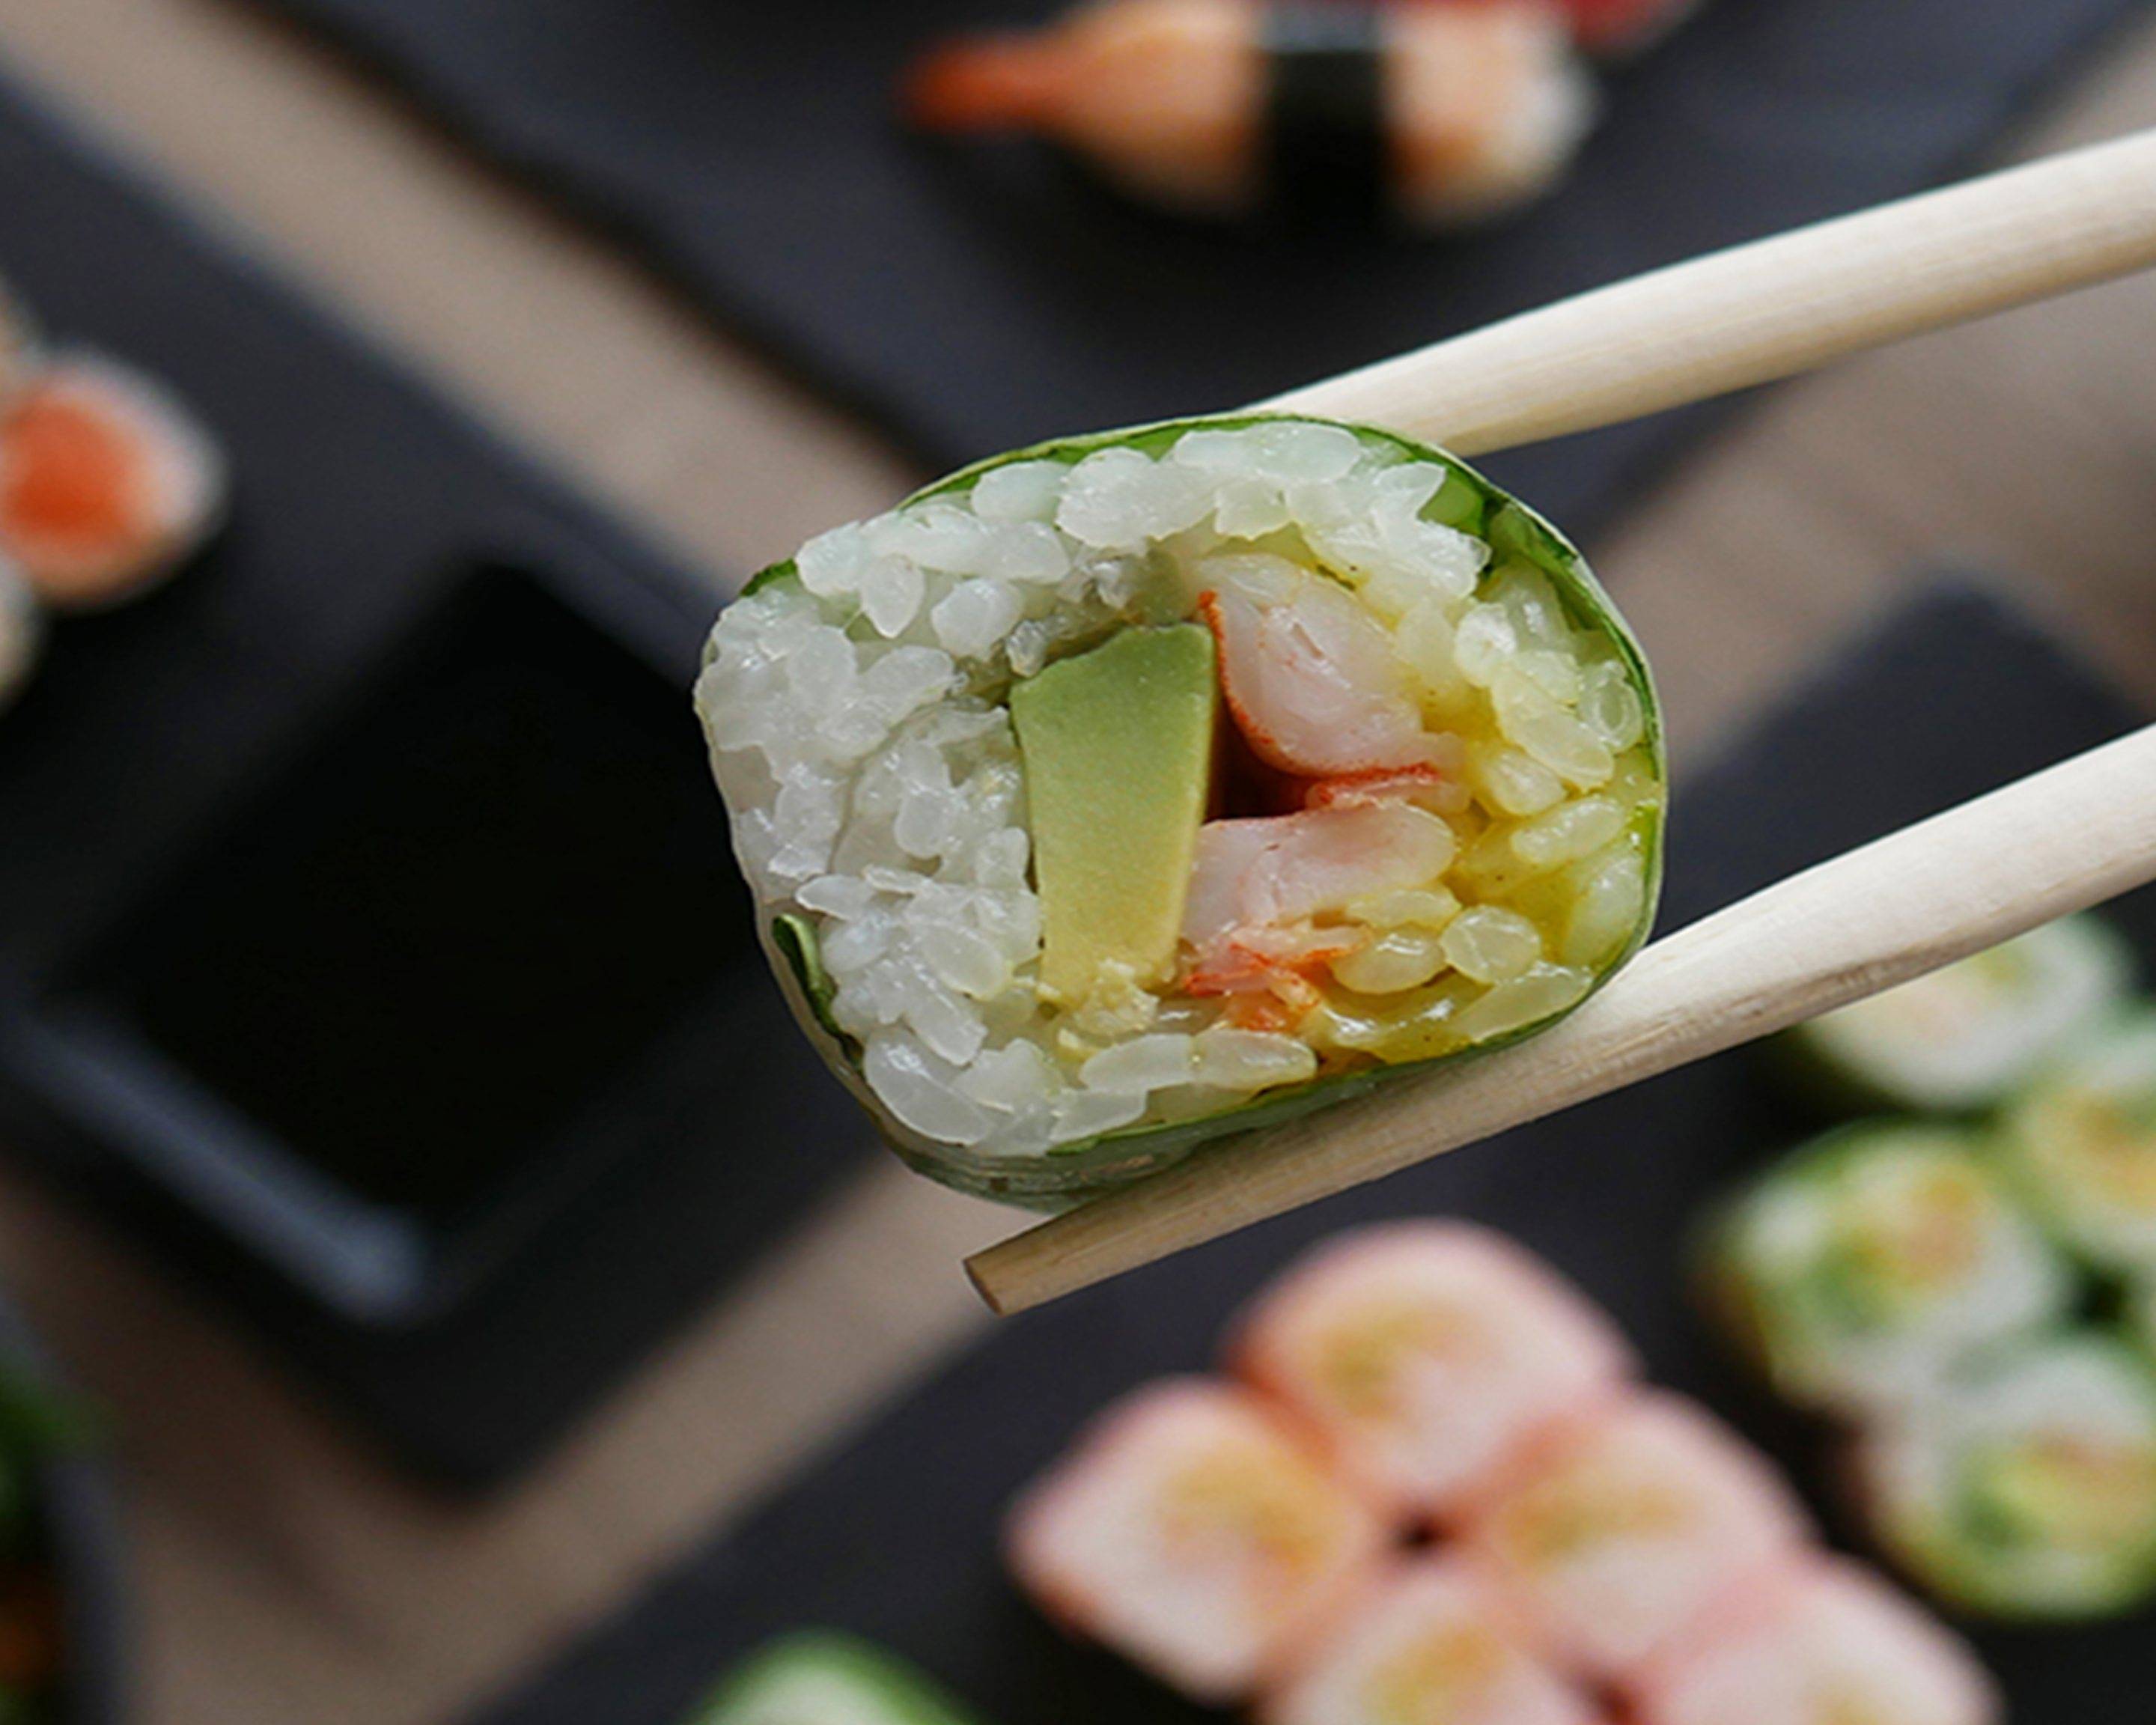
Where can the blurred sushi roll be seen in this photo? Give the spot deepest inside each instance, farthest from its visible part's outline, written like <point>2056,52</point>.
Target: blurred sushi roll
<point>1824,1643</point>
<point>1441,113</point>
<point>2026,1488</point>
<point>2080,1144</point>
<point>21,634</point>
<point>1125,792</point>
<point>1198,1534</point>
<point>1965,1038</point>
<point>1431,1642</point>
<point>1427,1352</point>
<point>1867,1264</point>
<point>820,1677</point>
<point>107,483</point>
<point>1617,1534</point>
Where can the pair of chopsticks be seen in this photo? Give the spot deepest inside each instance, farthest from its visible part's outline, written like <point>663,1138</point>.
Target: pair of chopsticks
<point>2059,841</point>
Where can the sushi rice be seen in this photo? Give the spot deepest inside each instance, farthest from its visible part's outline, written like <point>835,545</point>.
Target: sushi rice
<point>1965,1038</point>
<point>1436,794</point>
<point>1195,1531</point>
<point>2082,1145</point>
<point>2027,1487</point>
<point>1824,1643</point>
<point>1426,1354</point>
<point>1871,1262</point>
<point>821,1677</point>
<point>1431,1642</point>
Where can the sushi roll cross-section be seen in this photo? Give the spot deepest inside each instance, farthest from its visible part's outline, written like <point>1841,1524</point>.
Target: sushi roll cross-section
<point>1869,1264</point>
<point>1824,1643</point>
<point>2080,1143</point>
<point>1199,1534</point>
<point>2027,1487</point>
<point>1427,1353</point>
<point>1966,1038</point>
<point>107,484</point>
<point>1431,1643</point>
<point>821,1677</point>
<point>1128,791</point>
<point>1439,112</point>
<point>1617,1535</point>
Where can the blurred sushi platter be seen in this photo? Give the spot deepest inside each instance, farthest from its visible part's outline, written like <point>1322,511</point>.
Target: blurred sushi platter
<point>977,293</point>
<point>1047,1531</point>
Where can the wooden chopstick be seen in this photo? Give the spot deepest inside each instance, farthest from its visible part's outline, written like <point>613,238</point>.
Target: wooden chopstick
<point>1770,308</point>
<point>2059,841</point>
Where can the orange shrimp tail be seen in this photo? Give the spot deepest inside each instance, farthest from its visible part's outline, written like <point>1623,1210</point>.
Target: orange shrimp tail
<point>990,83</point>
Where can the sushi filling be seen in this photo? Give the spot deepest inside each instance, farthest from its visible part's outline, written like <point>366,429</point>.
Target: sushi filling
<point>1395,792</point>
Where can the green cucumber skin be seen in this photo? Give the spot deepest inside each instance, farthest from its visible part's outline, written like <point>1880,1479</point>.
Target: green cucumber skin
<point>908,1697</point>
<point>1070,1174</point>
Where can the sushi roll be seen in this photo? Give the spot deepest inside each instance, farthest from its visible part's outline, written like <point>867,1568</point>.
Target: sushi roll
<point>820,1677</point>
<point>2080,1144</point>
<point>1129,791</point>
<point>1824,1643</point>
<point>1438,113</point>
<point>1195,1532</point>
<point>107,484</point>
<point>1432,1643</point>
<point>1616,1535</point>
<point>1868,1264</point>
<point>21,634</point>
<point>1965,1038</point>
<point>2027,1488</point>
<point>1427,1353</point>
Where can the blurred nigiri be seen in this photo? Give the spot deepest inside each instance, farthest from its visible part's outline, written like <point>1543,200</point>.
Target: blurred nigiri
<point>106,483</point>
<point>1443,112</point>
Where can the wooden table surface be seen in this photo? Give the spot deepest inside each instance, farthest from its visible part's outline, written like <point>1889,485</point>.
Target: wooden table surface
<point>282,1574</point>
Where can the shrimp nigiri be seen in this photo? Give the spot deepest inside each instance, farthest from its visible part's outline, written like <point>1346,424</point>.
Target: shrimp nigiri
<point>1446,112</point>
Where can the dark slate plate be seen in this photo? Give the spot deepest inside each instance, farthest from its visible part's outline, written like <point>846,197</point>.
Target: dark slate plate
<point>158,745</point>
<point>895,1534</point>
<point>977,298</point>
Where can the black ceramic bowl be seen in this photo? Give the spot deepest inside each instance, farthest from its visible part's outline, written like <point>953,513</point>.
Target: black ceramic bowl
<point>75,1504</point>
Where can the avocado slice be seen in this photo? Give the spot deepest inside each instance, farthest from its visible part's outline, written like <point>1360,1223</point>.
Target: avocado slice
<point>1117,749</point>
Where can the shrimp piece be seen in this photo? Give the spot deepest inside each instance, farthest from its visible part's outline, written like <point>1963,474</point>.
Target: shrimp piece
<point>1440,791</point>
<point>1256,887</point>
<point>1312,680</point>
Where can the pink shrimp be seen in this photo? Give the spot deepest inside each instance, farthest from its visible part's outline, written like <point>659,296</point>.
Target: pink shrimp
<point>1312,682</point>
<point>1442,791</point>
<point>1257,888</point>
